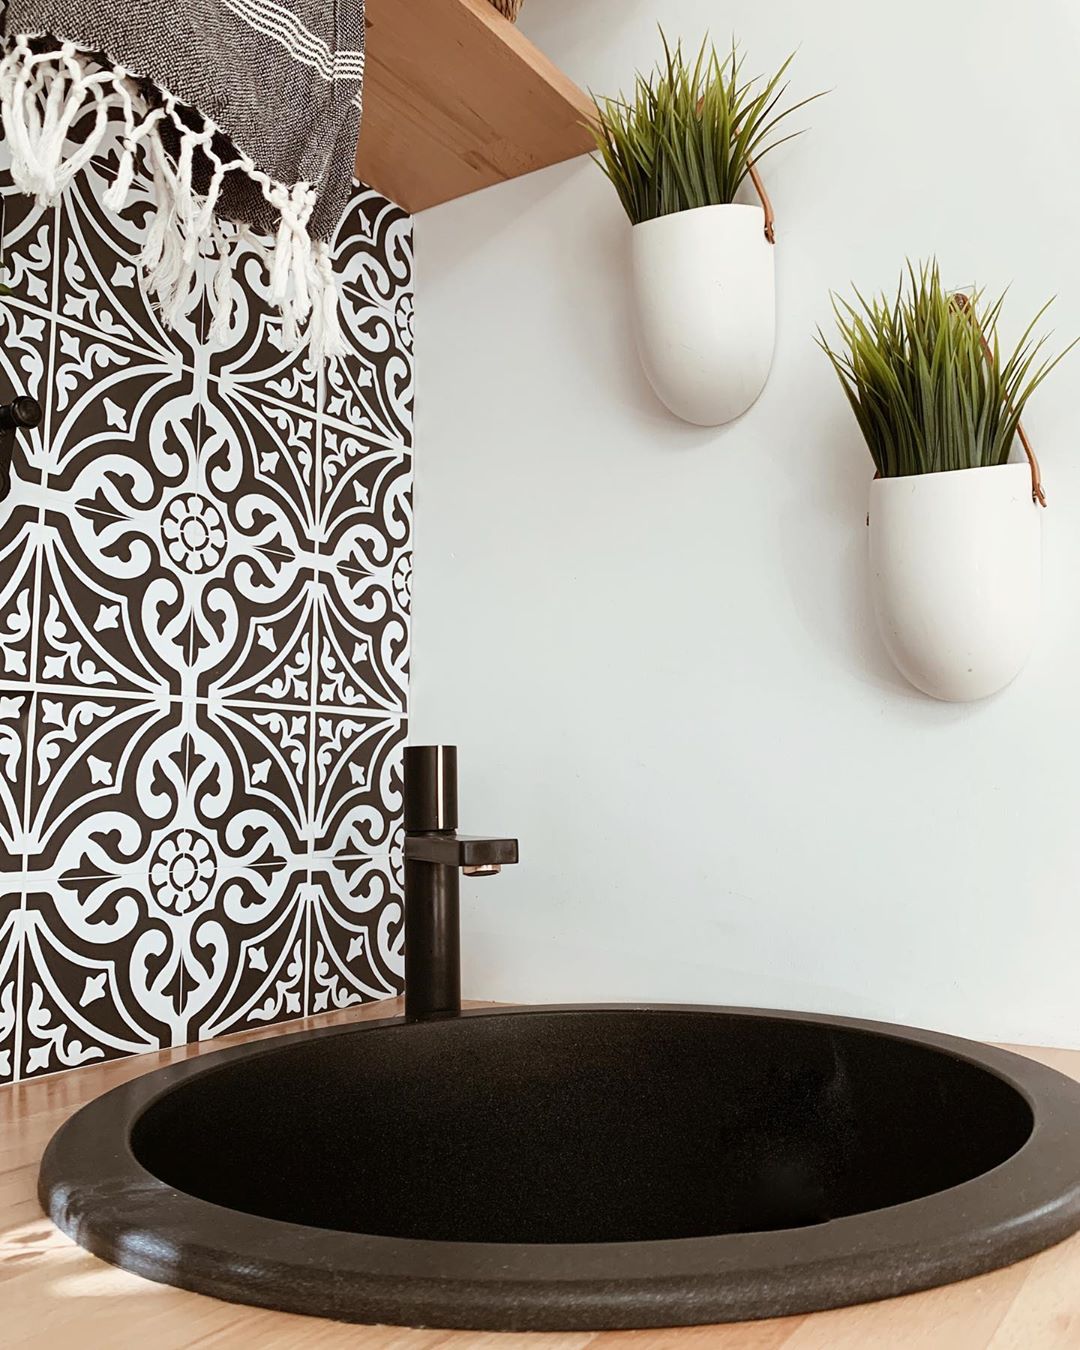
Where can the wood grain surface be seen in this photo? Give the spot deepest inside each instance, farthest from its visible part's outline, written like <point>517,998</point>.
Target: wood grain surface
<point>456,99</point>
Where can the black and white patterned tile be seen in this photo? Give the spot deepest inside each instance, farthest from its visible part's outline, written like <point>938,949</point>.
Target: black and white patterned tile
<point>357,931</point>
<point>98,979</point>
<point>370,388</point>
<point>25,365</point>
<point>119,421</point>
<point>98,284</point>
<point>357,784</point>
<point>20,514</point>
<point>16,703</point>
<point>11,924</point>
<point>29,245</point>
<point>204,635</point>
<point>260,459</point>
<point>88,635</point>
<point>253,358</point>
<point>106,773</point>
<point>373,250</point>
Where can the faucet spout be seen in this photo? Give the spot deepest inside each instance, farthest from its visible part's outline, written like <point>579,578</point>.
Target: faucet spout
<point>434,855</point>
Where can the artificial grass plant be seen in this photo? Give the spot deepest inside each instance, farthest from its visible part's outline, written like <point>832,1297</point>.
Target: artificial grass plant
<point>688,135</point>
<point>926,378</point>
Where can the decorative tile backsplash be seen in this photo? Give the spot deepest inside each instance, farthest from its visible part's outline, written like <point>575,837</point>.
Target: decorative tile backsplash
<point>204,599</point>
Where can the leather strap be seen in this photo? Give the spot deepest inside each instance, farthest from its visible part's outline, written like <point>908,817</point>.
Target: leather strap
<point>770,218</point>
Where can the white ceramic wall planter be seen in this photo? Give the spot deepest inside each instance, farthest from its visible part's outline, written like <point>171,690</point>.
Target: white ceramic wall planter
<point>705,309</point>
<point>955,561</point>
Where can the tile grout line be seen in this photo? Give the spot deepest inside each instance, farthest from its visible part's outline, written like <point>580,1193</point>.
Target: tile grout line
<point>20,1000</point>
<point>369,712</point>
<point>309,902</point>
<point>46,435</point>
<point>190,720</point>
<point>313,716</point>
<point>313,690</point>
<point>35,645</point>
<point>173,356</point>
<point>299,862</point>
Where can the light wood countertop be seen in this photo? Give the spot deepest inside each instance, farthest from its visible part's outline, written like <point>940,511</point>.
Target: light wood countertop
<point>53,1294</point>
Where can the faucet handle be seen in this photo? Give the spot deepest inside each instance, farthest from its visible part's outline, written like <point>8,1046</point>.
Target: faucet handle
<point>476,855</point>
<point>430,788</point>
<point>431,817</point>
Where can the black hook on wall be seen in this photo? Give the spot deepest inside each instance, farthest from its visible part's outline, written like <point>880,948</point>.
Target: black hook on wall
<point>20,413</point>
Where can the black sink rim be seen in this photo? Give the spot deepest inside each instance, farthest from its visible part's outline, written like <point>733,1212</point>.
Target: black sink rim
<point>106,1201</point>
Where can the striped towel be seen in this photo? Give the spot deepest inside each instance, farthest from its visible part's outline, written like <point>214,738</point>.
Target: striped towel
<point>244,113</point>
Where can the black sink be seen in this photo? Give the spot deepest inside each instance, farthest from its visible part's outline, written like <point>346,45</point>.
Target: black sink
<point>554,1168</point>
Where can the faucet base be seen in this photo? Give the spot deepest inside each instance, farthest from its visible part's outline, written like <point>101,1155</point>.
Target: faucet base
<point>432,941</point>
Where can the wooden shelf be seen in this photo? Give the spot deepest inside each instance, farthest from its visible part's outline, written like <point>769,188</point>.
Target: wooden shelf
<point>456,99</point>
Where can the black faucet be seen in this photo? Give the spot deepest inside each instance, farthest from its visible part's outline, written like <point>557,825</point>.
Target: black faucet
<point>434,852</point>
<point>20,412</point>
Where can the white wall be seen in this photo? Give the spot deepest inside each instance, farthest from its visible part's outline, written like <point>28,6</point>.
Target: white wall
<point>653,642</point>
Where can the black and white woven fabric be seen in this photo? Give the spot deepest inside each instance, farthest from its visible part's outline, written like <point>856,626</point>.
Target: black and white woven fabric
<point>244,112</point>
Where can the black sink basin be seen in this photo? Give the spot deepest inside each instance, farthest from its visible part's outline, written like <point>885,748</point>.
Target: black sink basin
<point>557,1168</point>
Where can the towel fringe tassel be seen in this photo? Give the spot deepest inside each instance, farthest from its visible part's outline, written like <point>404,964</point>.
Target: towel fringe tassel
<point>42,93</point>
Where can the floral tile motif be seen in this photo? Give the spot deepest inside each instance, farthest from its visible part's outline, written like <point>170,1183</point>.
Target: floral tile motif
<point>254,356</point>
<point>106,774</point>
<point>10,943</point>
<point>254,946</point>
<point>357,767</point>
<point>357,933</point>
<point>204,610</point>
<point>99,978</point>
<point>366,504</point>
<point>15,706</point>
<point>248,788</point>
<point>191,528</point>
<point>123,422</point>
<point>105,558</point>
<point>259,458</point>
<point>363,639</point>
<point>25,359</point>
<point>89,635</point>
<point>364,498</point>
<point>19,541</point>
<point>99,284</point>
<point>373,250</point>
<point>264,633</point>
<point>370,388</point>
<point>29,235</point>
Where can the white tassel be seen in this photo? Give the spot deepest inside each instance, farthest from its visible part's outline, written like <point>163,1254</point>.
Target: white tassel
<point>67,79</point>
<point>16,73</point>
<point>326,337</point>
<point>115,199</point>
<point>224,287</point>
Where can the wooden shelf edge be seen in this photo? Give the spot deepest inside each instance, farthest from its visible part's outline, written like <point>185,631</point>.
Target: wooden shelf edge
<point>456,99</point>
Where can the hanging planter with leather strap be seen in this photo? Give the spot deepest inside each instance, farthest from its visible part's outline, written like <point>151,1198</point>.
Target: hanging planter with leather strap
<point>705,306</point>
<point>704,297</point>
<point>956,576</point>
<point>954,527</point>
